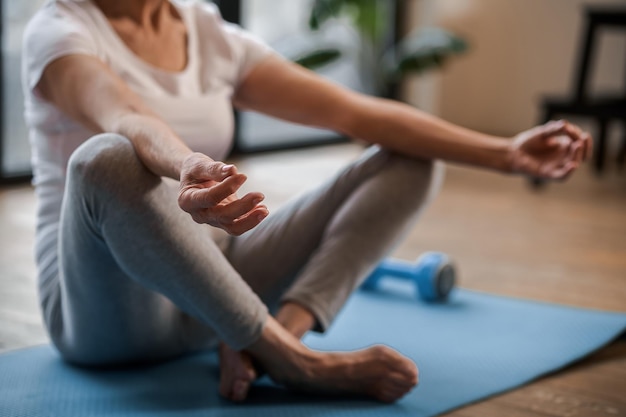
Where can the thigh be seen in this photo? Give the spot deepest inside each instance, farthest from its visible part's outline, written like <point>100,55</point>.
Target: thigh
<point>326,240</point>
<point>134,270</point>
<point>108,315</point>
<point>270,256</point>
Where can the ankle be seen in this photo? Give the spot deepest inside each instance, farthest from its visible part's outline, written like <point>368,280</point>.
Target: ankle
<point>296,318</point>
<point>285,359</point>
<point>277,346</point>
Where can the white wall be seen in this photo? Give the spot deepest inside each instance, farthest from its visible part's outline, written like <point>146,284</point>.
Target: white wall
<point>520,50</point>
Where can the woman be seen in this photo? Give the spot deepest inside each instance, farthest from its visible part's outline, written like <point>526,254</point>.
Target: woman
<point>145,250</point>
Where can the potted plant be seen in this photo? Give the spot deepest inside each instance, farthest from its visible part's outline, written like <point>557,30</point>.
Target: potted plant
<point>387,61</point>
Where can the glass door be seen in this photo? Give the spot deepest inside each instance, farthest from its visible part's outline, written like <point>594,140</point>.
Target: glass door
<point>283,24</point>
<point>14,146</point>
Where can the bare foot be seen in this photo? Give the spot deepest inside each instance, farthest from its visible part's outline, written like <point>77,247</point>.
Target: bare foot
<point>379,371</point>
<point>237,370</point>
<point>236,373</point>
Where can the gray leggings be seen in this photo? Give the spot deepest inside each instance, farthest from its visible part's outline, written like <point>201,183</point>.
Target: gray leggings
<point>138,280</point>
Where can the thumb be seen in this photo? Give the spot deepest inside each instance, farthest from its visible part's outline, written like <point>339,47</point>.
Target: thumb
<point>558,141</point>
<point>199,168</point>
<point>218,171</point>
<point>551,129</point>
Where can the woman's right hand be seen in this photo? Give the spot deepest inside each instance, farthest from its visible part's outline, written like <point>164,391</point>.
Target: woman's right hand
<point>208,193</point>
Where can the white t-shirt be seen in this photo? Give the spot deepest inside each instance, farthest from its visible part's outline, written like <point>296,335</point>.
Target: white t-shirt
<point>195,102</point>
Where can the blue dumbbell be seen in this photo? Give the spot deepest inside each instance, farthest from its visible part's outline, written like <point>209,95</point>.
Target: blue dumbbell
<point>433,274</point>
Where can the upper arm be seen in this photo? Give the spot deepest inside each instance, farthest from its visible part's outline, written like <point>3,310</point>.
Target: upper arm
<point>287,91</point>
<point>85,89</point>
<point>62,65</point>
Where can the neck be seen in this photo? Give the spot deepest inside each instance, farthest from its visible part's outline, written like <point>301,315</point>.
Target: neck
<point>143,12</point>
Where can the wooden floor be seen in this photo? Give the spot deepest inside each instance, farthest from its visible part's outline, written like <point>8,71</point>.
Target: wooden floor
<point>564,244</point>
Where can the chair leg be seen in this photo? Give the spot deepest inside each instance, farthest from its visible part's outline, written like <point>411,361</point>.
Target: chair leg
<point>600,146</point>
<point>621,155</point>
<point>537,183</point>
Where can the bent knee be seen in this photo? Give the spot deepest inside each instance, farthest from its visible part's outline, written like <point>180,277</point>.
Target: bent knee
<point>108,160</point>
<point>419,176</point>
<point>99,153</point>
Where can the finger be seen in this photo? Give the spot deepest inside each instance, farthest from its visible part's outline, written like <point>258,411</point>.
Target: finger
<point>574,153</point>
<point>225,388</point>
<point>219,192</point>
<point>569,152</point>
<point>212,196</point>
<point>555,141</point>
<point>562,146</point>
<point>389,395</point>
<point>564,172</point>
<point>550,129</point>
<point>400,381</point>
<point>393,392</point>
<point>574,132</point>
<point>248,221</point>
<point>225,383</point>
<point>228,213</point>
<point>226,216</point>
<point>240,390</point>
<point>579,156</point>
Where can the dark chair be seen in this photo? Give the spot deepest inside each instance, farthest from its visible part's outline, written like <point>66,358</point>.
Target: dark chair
<point>603,110</point>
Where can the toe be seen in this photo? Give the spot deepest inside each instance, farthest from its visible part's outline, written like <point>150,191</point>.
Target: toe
<point>226,382</point>
<point>240,390</point>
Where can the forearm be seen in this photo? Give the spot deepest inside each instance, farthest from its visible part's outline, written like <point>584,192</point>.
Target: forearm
<point>284,90</point>
<point>71,82</point>
<point>157,146</point>
<point>404,129</point>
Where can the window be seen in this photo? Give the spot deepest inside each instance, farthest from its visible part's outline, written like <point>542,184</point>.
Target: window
<point>14,146</point>
<point>283,24</point>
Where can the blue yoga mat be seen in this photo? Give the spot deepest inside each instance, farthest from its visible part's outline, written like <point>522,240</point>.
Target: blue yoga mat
<point>472,347</point>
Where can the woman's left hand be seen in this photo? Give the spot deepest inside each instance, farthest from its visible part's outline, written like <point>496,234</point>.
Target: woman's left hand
<point>550,151</point>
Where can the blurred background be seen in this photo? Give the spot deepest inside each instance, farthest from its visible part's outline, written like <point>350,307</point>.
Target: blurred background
<point>518,52</point>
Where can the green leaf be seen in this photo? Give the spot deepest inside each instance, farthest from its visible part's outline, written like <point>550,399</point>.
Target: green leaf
<point>318,58</point>
<point>322,10</point>
<point>368,16</point>
<point>371,18</point>
<point>425,49</point>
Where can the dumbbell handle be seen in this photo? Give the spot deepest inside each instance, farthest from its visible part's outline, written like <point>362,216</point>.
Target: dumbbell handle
<point>394,268</point>
<point>397,268</point>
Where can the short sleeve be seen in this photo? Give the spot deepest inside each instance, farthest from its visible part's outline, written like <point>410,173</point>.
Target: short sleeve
<point>251,49</point>
<point>245,49</point>
<point>52,33</point>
